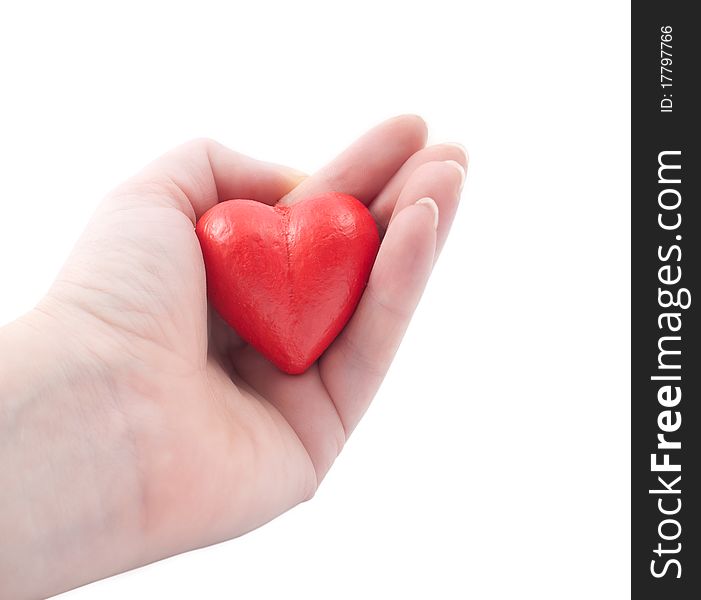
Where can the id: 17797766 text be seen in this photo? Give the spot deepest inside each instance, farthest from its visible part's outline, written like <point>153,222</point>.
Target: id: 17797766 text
<point>666,68</point>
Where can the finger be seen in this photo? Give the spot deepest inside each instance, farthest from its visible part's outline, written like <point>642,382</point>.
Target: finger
<point>365,167</point>
<point>442,181</point>
<point>301,399</point>
<point>383,205</point>
<point>356,362</point>
<point>200,173</point>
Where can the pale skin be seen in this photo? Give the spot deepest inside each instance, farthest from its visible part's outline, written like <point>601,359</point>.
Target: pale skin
<point>135,424</point>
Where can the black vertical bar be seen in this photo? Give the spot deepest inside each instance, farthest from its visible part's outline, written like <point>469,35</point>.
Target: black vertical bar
<point>666,266</point>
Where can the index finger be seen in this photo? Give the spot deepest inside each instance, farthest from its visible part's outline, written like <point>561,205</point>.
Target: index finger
<point>363,169</point>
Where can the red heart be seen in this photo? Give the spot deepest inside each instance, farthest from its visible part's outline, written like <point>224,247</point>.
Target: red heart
<point>288,278</point>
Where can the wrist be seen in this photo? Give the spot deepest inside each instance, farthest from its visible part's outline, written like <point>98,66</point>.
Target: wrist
<point>69,510</point>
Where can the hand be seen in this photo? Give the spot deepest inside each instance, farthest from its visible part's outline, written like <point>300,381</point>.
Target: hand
<point>156,429</point>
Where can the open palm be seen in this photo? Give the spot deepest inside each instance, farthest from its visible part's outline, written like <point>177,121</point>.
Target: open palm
<point>218,440</point>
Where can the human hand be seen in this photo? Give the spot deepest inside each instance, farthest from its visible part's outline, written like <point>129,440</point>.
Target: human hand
<point>157,430</point>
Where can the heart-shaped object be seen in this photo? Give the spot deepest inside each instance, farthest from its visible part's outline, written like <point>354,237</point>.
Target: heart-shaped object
<point>288,278</point>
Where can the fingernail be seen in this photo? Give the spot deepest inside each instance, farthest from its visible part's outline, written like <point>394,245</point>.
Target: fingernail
<point>457,146</point>
<point>429,202</point>
<point>298,175</point>
<point>460,168</point>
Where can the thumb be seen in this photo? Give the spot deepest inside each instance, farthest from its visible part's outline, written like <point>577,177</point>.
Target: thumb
<point>202,172</point>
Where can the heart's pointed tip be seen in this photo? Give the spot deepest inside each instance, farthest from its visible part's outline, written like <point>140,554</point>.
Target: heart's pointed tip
<point>292,367</point>
<point>295,370</point>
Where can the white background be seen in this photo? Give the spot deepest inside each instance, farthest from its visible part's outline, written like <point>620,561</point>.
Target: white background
<point>494,462</point>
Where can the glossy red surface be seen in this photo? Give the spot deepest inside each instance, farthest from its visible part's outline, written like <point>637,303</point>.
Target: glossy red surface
<point>288,278</point>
